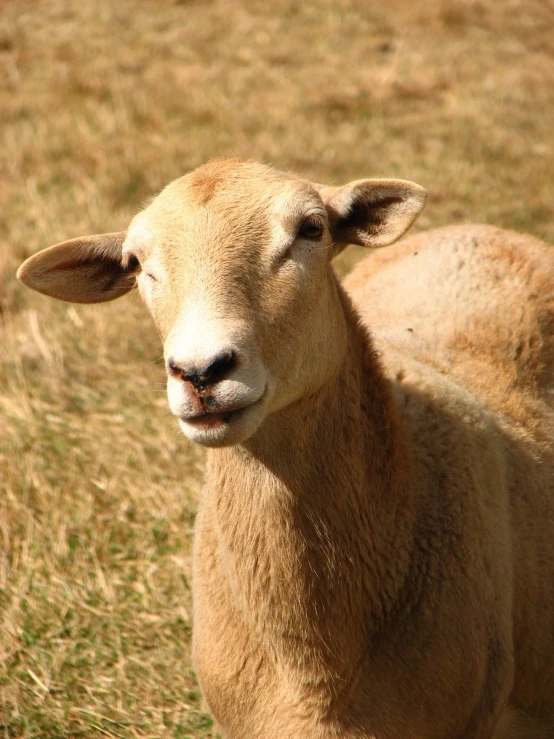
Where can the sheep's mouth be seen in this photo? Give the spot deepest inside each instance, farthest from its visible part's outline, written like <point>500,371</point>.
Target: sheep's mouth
<point>215,419</point>
<point>212,420</point>
<point>226,424</point>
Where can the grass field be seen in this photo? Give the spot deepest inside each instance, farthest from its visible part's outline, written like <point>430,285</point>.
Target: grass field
<point>102,103</point>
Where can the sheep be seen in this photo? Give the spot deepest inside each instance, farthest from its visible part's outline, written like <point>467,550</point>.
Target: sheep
<point>373,550</point>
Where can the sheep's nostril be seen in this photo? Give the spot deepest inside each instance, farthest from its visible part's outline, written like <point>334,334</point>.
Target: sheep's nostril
<point>172,366</point>
<point>217,369</point>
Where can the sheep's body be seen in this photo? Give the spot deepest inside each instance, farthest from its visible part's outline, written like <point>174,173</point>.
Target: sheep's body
<point>475,319</point>
<point>374,555</point>
<point>462,621</point>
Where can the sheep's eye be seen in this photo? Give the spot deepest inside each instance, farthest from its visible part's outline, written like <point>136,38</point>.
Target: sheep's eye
<point>310,228</point>
<point>151,276</point>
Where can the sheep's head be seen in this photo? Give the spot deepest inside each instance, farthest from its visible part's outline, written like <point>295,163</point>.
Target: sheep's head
<point>232,261</point>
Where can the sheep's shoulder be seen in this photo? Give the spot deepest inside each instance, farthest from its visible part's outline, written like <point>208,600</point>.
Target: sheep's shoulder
<point>474,302</point>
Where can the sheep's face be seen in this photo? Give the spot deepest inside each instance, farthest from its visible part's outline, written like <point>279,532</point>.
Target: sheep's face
<point>232,261</point>
<point>234,270</point>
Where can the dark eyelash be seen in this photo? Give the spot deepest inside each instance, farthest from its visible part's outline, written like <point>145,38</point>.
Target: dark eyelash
<point>310,228</point>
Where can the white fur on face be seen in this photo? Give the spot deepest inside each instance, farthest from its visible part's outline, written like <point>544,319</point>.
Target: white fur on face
<point>198,336</point>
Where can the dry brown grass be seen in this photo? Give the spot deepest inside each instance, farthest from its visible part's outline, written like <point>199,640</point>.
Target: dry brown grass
<point>101,104</point>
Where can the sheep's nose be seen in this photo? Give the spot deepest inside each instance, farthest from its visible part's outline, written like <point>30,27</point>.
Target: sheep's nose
<point>215,370</point>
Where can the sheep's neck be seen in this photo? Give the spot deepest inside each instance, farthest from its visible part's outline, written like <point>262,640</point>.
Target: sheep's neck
<point>313,518</point>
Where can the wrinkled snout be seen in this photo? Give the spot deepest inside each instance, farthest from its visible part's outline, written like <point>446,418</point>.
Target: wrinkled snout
<point>217,386</point>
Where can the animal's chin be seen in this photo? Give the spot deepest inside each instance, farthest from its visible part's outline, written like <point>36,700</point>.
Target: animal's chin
<point>223,429</point>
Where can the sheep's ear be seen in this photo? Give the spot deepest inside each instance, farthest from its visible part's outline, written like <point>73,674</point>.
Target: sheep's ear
<point>372,212</point>
<point>85,270</point>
